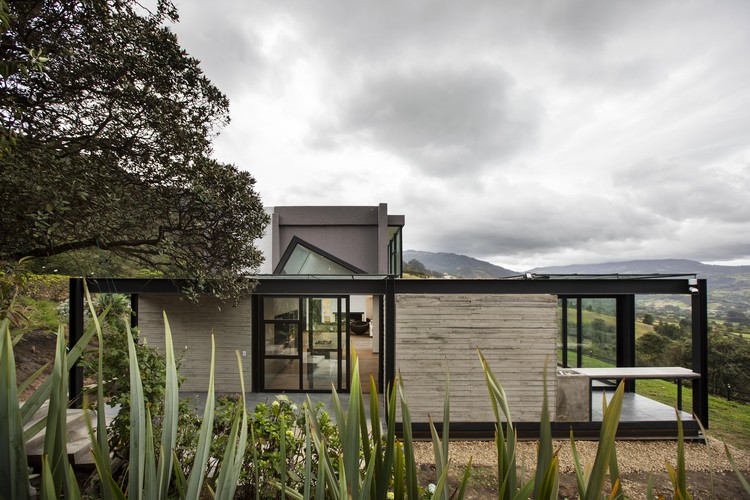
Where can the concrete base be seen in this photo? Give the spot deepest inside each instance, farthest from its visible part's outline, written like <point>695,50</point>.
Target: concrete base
<point>572,396</point>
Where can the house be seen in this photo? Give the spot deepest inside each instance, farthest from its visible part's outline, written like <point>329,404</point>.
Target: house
<point>331,266</point>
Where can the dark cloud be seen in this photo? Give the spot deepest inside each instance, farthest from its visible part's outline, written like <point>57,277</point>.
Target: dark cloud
<point>541,221</point>
<point>449,122</point>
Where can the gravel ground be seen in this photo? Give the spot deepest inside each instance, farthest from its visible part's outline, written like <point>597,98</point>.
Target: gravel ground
<point>633,456</point>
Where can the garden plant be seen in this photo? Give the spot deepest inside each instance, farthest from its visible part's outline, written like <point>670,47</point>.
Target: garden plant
<point>280,449</point>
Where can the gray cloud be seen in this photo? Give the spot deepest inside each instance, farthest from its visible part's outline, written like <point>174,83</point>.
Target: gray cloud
<point>228,51</point>
<point>532,132</point>
<point>682,191</point>
<point>446,122</point>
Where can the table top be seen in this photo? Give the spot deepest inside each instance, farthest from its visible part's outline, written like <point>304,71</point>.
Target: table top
<point>638,372</point>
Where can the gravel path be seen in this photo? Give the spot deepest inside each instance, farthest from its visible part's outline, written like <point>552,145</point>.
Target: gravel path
<point>633,456</point>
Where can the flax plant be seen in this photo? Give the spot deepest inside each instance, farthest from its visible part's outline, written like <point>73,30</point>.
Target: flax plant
<point>505,440</point>
<point>146,477</point>
<point>14,475</point>
<point>591,479</point>
<point>371,465</point>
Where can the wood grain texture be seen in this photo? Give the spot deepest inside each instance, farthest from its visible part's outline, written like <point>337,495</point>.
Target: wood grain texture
<point>192,325</point>
<point>516,333</point>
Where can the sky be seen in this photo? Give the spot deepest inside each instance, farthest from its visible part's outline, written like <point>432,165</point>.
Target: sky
<point>526,133</point>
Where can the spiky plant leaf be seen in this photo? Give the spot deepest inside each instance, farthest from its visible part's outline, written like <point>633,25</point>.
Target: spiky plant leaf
<point>55,437</point>
<point>736,469</point>
<point>138,438</point>
<point>545,454</point>
<point>14,475</point>
<point>410,464</point>
<point>202,451</point>
<point>606,446</point>
<point>231,466</point>
<point>150,486</point>
<point>171,416</point>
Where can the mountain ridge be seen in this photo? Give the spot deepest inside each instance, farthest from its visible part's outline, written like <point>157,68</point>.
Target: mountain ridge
<point>728,286</point>
<point>457,265</point>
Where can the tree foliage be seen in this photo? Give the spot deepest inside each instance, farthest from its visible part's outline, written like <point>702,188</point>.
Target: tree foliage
<point>109,147</point>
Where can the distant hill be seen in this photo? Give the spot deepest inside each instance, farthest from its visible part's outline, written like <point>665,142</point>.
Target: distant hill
<point>728,286</point>
<point>663,266</point>
<point>460,266</point>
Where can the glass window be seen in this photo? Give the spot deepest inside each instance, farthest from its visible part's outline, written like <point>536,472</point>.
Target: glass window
<point>281,374</point>
<point>281,339</point>
<point>599,332</point>
<point>280,308</point>
<point>305,261</point>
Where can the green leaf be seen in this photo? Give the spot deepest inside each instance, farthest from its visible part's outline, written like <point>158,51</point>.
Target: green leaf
<point>410,465</point>
<point>55,437</point>
<point>150,486</point>
<point>545,455</point>
<point>108,487</point>
<point>606,446</point>
<point>234,454</point>
<point>171,408</point>
<point>198,472</point>
<point>14,476</point>
<point>138,437</point>
<point>464,480</point>
<point>736,469</point>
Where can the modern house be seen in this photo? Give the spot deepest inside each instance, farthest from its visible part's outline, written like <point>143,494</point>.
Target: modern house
<point>334,284</point>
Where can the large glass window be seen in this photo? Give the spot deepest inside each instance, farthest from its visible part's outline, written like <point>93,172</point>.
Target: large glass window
<point>663,331</point>
<point>395,251</point>
<point>588,332</point>
<point>305,343</point>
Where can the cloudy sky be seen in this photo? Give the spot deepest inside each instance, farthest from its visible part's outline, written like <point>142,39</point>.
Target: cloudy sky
<point>526,133</point>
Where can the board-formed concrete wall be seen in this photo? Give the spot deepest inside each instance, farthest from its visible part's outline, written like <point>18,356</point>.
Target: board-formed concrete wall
<point>192,325</point>
<point>516,333</point>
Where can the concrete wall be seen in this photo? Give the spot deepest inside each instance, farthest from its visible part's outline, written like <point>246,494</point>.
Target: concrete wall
<point>191,326</point>
<point>516,333</point>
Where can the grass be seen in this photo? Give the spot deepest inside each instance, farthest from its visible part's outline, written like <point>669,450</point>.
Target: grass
<point>41,315</point>
<point>728,420</point>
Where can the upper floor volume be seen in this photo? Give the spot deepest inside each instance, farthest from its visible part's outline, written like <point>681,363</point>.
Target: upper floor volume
<point>333,240</point>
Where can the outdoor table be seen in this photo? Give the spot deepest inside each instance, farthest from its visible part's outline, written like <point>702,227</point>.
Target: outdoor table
<point>677,373</point>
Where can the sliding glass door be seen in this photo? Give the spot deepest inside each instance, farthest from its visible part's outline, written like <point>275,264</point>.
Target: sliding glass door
<point>305,343</point>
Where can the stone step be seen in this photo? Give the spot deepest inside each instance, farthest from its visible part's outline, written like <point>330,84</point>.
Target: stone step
<point>78,440</point>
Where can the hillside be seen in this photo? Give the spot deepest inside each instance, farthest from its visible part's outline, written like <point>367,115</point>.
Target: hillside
<point>460,266</point>
<point>728,286</point>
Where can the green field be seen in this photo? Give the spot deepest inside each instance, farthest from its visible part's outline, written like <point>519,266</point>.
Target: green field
<point>609,320</point>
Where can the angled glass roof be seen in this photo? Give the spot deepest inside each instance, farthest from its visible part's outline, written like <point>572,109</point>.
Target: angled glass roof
<point>302,258</point>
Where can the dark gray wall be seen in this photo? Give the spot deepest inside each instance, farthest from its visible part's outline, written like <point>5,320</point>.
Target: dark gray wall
<point>357,235</point>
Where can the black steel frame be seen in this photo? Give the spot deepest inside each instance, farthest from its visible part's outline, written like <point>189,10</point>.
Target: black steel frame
<point>622,288</point>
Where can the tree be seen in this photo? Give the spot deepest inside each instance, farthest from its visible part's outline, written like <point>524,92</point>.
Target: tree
<point>648,319</point>
<point>111,144</point>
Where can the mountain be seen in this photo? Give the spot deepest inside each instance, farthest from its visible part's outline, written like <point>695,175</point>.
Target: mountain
<point>460,266</point>
<point>728,286</point>
<point>663,266</point>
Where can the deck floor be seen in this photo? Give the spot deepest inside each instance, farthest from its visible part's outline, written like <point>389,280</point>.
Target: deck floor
<point>637,408</point>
